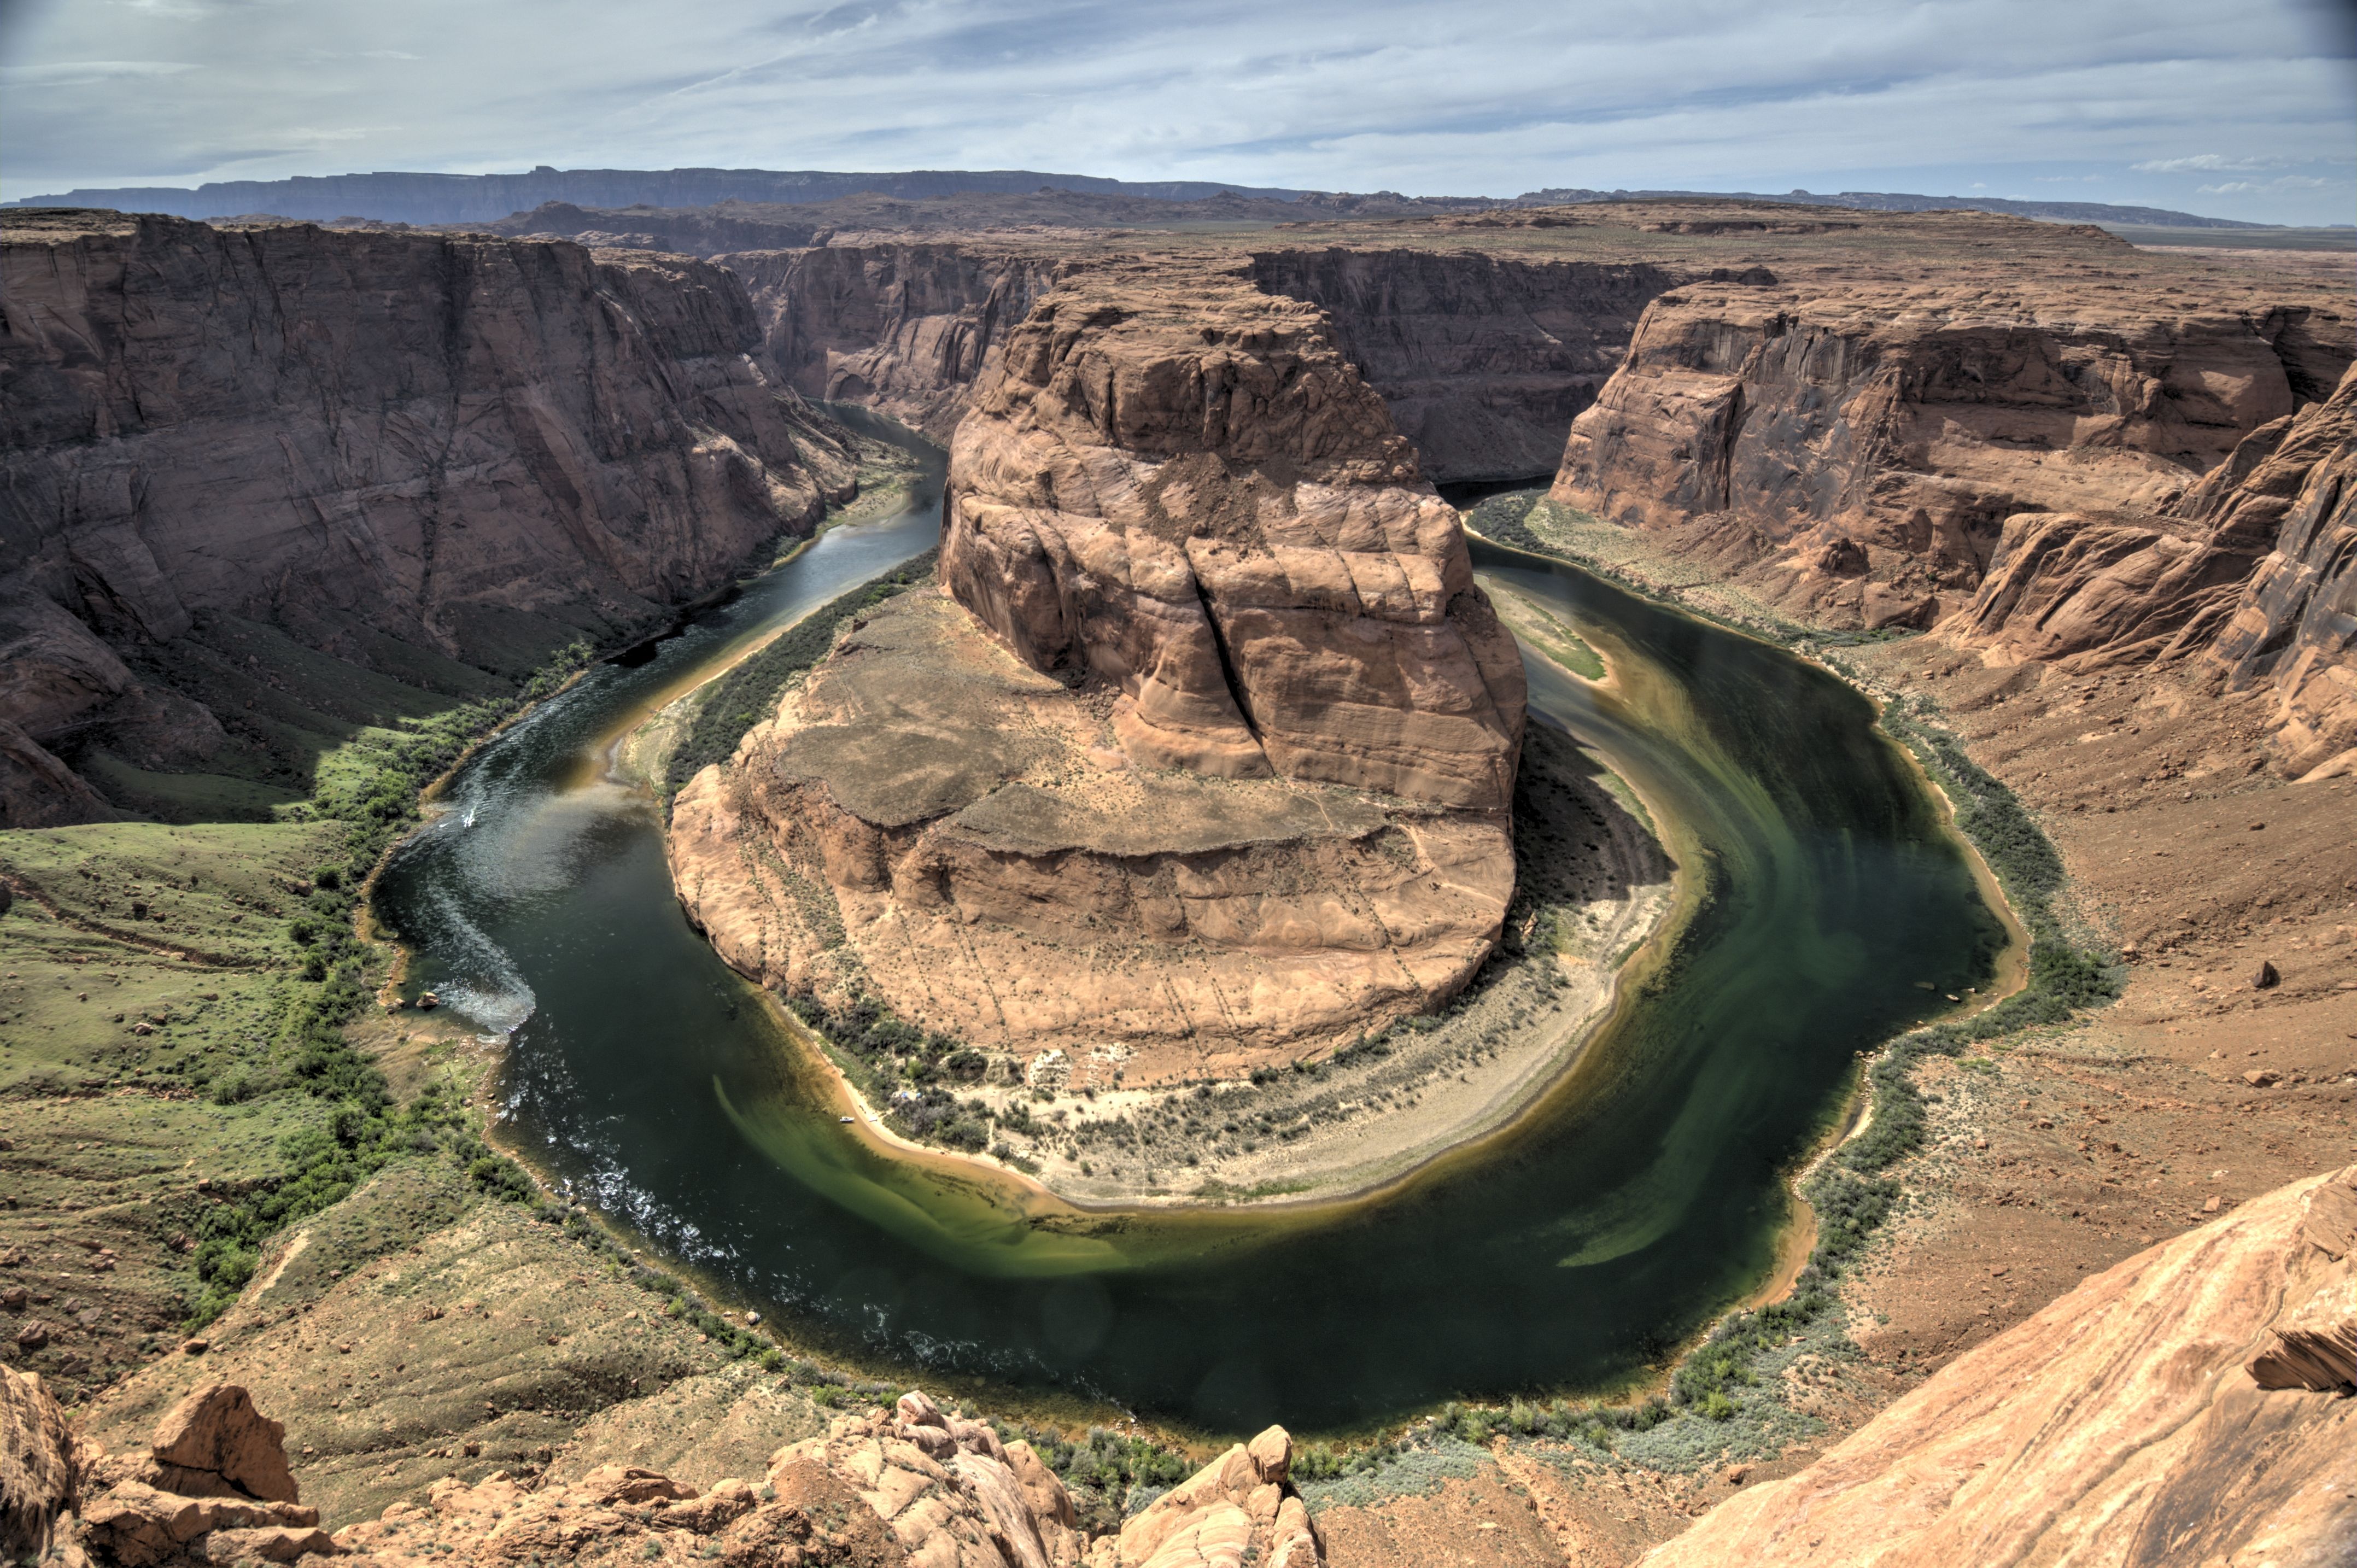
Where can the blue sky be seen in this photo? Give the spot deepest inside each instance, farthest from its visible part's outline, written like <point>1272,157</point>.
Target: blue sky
<point>2244,111</point>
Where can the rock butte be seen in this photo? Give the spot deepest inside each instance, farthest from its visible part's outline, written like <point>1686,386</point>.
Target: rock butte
<point>1205,750</point>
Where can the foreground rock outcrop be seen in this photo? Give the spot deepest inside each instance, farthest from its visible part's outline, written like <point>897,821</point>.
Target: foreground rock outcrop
<point>911,1485</point>
<point>2192,1404</point>
<point>2249,581</point>
<point>39,1467</point>
<point>1858,446</point>
<point>214,1487</point>
<point>416,433</point>
<point>1206,753</point>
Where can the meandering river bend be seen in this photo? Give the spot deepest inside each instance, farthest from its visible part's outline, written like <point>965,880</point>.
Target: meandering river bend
<point>1643,1193</point>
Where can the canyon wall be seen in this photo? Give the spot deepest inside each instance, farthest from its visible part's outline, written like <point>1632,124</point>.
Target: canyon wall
<point>906,327</point>
<point>1205,754</point>
<point>1484,360</point>
<point>2249,580</point>
<point>401,429</point>
<point>1856,446</point>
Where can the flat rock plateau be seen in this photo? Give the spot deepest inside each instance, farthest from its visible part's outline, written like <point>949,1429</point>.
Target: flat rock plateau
<point>275,490</point>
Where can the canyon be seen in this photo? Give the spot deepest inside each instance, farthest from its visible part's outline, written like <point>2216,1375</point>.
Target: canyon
<point>425,457</point>
<point>1205,689</point>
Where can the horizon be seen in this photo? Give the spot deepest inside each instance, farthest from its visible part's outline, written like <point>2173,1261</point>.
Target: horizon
<point>2251,117</point>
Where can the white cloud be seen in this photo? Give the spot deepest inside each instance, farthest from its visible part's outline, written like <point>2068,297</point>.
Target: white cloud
<point>89,73</point>
<point>2202,162</point>
<point>2281,182</point>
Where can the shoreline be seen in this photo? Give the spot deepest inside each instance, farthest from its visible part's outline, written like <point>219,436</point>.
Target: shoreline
<point>1855,1115</point>
<point>1352,1159</point>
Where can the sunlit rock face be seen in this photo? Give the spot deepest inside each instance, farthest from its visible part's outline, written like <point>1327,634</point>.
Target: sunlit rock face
<point>1204,751</point>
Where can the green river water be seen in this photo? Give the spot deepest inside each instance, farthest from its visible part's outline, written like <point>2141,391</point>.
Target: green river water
<point>1643,1194</point>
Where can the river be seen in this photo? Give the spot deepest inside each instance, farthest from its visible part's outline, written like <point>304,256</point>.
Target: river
<point>1642,1195</point>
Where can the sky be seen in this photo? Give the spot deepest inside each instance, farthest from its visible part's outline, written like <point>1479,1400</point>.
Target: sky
<point>2244,111</point>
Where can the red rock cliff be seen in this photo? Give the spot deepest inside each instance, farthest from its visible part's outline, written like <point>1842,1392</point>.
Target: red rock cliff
<point>2249,579</point>
<point>1884,429</point>
<point>395,427</point>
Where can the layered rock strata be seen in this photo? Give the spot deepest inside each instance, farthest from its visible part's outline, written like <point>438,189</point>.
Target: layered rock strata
<point>400,428</point>
<point>1206,753</point>
<point>909,1484</point>
<point>1483,360</point>
<point>2249,579</point>
<point>1859,445</point>
<point>905,328</point>
<point>2188,1405</point>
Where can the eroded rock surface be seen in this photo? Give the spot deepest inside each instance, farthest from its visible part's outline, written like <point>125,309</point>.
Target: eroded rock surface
<point>907,328</point>
<point>1862,443</point>
<point>2250,579</point>
<point>411,432</point>
<point>40,1467</point>
<point>1208,752</point>
<point>2185,1406</point>
<point>213,1487</point>
<point>911,1485</point>
<point>1483,360</point>
<point>1190,495</point>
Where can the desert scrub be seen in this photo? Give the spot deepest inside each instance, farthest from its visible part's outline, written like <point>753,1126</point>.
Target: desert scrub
<point>1109,1475</point>
<point>374,796</point>
<point>910,1074</point>
<point>747,694</point>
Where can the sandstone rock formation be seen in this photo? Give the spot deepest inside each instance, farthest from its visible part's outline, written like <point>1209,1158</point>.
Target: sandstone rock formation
<point>2249,579</point>
<point>906,327</point>
<point>1210,755</point>
<point>911,1485</point>
<point>2188,1405</point>
<point>412,430</point>
<point>1872,432</point>
<point>1483,360</point>
<point>214,1487</point>
<point>1197,500</point>
<point>1240,1508</point>
<point>40,1467</point>
<point>2294,629</point>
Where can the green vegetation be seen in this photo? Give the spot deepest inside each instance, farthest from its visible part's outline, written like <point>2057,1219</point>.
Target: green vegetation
<point>256,1024</point>
<point>1109,1475</point>
<point>909,1072</point>
<point>371,791</point>
<point>747,694</point>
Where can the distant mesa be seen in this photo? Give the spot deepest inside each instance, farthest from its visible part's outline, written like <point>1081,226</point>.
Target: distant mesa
<point>419,197</point>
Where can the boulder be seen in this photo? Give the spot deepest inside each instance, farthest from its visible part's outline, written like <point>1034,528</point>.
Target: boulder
<point>1240,1508</point>
<point>213,1443</point>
